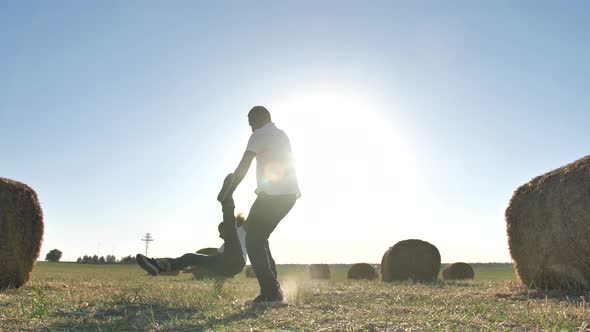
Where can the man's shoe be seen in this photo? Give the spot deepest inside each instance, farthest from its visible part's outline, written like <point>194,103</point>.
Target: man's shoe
<point>149,264</point>
<point>276,298</point>
<point>227,189</point>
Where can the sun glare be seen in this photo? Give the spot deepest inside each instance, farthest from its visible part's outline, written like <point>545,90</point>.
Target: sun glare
<point>348,154</point>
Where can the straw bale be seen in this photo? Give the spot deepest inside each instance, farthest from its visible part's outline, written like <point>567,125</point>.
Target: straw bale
<point>362,271</point>
<point>547,222</point>
<point>319,271</point>
<point>21,232</point>
<point>411,259</point>
<point>208,251</point>
<point>458,271</point>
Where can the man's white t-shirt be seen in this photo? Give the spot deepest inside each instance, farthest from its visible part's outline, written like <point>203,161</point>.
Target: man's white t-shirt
<point>242,238</point>
<point>275,167</point>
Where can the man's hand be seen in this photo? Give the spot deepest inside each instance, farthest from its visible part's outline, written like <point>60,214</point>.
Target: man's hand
<point>227,189</point>
<point>232,180</point>
<point>243,167</point>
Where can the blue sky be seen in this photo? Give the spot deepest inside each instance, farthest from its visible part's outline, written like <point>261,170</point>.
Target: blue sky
<point>407,120</point>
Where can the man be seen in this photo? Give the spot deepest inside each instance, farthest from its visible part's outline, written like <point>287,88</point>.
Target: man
<point>277,190</point>
<point>229,262</point>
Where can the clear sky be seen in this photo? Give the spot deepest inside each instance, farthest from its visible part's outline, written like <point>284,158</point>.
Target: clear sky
<point>407,120</point>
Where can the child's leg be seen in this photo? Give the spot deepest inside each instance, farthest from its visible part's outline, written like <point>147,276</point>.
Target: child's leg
<point>190,259</point>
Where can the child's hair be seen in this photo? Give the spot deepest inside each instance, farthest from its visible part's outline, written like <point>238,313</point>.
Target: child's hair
<point>240,221</point>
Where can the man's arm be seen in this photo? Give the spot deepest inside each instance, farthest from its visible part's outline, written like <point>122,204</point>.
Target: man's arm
<point>232,181</point>
<point>243,167</point>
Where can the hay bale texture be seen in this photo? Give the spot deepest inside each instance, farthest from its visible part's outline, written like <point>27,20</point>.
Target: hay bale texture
<point>209,251</point>
<point>250,272</point>
<point>410,259</point>
<point>319,271</point>
<point>21,232</point>
<point>362,271</point>
<point>200,273</point>
<point>458,271</point>
<point>548,226</point>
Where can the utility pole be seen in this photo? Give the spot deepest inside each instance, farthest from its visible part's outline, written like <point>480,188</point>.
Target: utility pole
<point>147,238</point>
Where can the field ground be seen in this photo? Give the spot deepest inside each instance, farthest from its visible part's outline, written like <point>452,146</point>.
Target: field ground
<point>77,297</point>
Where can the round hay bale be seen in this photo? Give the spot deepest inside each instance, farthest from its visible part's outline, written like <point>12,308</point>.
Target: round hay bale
<point>208,251</point>
<point>319,271</point>
<point>21,232</point>
<point>250,272</point>
<point>410,259</point>
<point>458,271</point>
<point>362,271</point>
<point>200,273</point>
<point>547,223</point>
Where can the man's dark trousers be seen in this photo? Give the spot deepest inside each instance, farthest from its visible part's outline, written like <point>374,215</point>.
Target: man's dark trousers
<point>265,214</point>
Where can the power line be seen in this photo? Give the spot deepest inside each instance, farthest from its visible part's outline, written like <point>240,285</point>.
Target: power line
<point>147,238</point>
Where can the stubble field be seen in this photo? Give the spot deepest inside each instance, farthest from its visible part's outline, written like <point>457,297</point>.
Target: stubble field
<point>78,297</point>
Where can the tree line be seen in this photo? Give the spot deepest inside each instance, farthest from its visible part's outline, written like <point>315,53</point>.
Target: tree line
<point>55,255</point>
<point>109,259</point>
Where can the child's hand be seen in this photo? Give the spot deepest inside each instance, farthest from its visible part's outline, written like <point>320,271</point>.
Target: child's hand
<point>227,189</point>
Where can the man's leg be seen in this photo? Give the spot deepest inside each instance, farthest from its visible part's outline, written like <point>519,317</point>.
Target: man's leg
<point>271,261</point>
<point>264,217</point>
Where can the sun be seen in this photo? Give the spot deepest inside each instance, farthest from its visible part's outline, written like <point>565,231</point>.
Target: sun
<point>347,151</point>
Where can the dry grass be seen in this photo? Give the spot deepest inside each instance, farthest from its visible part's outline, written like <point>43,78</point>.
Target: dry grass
<point>71,297</point>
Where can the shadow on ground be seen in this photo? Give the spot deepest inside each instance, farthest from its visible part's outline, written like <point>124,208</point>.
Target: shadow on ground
<point>147,317</point>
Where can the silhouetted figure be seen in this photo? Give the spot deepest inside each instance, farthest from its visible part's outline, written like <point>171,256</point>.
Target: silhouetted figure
<point>229,262</point>
<point>277,190</point>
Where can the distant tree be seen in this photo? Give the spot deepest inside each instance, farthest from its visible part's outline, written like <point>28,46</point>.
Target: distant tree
<point>94,259</point>
<point>111,259</point>
<point>128,260</point>
<point>101,260</point>
<point>86,259</point>
<point>53,255</point>
<point>79,260</point>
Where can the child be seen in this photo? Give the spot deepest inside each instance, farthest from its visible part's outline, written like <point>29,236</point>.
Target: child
<point>229,262</point>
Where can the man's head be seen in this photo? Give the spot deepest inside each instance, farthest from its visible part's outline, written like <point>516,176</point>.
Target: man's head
<point>240,221</point>
<point>258,117</point>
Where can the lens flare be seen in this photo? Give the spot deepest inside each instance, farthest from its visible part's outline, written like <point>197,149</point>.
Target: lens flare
<point>274,171</point>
